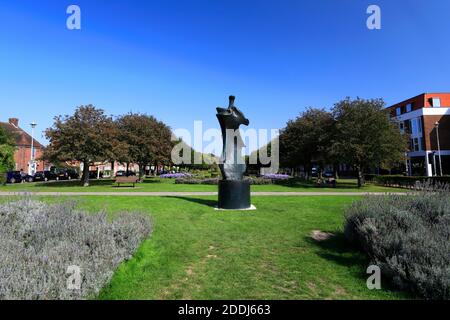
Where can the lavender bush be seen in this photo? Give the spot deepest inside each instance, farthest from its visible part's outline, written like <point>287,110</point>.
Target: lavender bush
<point>408,237</point>
<point>39,241</point>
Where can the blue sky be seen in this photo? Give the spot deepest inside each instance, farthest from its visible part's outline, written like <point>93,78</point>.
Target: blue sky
<point>178,60</point>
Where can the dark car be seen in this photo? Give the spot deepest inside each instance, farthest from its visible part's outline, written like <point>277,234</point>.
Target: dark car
<point>45,176</point>
<point>328,174</point>
<point>94,175</point>
<point>66,174</point>
<point>123,173</point>
<point>18,176</point>
<point>14,177</point>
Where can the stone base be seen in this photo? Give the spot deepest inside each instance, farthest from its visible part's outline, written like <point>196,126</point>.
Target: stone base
<point>234,195</point>
<point>252,207</point>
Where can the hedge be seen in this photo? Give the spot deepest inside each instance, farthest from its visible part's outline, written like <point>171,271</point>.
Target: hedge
<point>410,182</point>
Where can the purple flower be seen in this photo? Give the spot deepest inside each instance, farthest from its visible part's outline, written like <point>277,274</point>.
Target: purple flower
<point>276,176</point>
<point>175,175</point>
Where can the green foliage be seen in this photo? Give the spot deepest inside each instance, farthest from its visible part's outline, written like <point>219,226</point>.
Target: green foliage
<point>7,150</point>
<point>86,136</point>
<point>306,138</point>
<point>142,139</point>
<point>365,136</point>
<point>408,237</point>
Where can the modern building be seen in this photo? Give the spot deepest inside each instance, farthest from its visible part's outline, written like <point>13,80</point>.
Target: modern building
<point>23,155</point>
<point>426,118</point>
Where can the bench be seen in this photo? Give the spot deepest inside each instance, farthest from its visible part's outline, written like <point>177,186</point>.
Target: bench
<point>131,179</point>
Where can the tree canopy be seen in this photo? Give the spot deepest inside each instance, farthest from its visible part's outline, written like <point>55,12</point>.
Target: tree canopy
<point>307,138</point>
<point>356,132</point>
<point>365,136</point>
<point>143,140</point>
<point>86,136</point>
<point>7,149</point>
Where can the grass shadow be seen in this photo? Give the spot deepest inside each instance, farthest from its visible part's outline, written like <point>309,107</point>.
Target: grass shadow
<point>337,249</point>
<point>204,202</point>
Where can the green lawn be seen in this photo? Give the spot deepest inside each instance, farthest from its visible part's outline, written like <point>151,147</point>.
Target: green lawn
<point>168,185</point>
<point>196,252</point>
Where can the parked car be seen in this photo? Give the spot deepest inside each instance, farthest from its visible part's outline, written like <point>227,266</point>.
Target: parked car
<point>94,175</point>
<point>123,173</point>
<point>45,176</point>
<point>18,176</point>
<point>13,177</point>
<point>328,174</point>
<point>66,174</point>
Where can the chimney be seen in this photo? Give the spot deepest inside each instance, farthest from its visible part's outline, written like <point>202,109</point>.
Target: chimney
<point>14,122</point>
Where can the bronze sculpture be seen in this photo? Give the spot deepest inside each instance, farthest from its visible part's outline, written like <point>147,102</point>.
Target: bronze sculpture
<point>234,192</point>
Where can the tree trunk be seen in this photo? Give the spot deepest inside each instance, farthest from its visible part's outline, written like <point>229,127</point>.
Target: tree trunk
<point>335,171</point>
<point>85,177</point>
<point>113,164</point>
<point>360,178</point>
<point>141,172</point>
<point>128,166</point>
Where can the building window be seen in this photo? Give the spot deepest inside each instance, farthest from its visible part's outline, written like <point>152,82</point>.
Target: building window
<point>416,126</point>
<point>408,107</point>
<point>416,144</point>
<point>436,102</point>
<point>398,111</point>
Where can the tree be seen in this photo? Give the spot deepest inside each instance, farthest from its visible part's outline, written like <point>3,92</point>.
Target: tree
<point>146,140</point>
<point>365,136</point>
<point>307,139</point>
<point>86,136</point>
<point>7,150</point>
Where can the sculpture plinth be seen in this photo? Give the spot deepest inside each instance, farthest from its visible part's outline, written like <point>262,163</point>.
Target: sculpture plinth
<point>234,192</point>
<point>234,195</point>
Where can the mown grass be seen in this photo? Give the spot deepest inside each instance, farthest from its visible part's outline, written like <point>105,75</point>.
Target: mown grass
<point>196,252</point>
<point>168,185</point>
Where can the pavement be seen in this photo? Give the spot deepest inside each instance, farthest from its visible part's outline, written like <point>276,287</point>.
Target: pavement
<point>184,194</point>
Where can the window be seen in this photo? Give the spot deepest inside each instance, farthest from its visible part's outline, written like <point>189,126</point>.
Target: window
<point>416,126</point>
<point>416,144</point>
<point>436,102</point>
<point>408,107</point>
<point>398,111</point>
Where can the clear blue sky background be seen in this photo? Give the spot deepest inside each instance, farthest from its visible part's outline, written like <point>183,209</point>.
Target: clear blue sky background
<point>178,60</point>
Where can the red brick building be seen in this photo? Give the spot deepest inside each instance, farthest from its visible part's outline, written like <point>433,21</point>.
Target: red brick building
<point>22,156</point>
<point>419,116</point>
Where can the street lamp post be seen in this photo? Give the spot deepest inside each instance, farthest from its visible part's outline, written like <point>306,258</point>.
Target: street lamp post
<point>436,125</point>
<point>33,125</point>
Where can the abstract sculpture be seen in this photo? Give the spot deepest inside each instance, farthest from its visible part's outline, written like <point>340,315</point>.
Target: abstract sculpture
<point>234,192</point>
